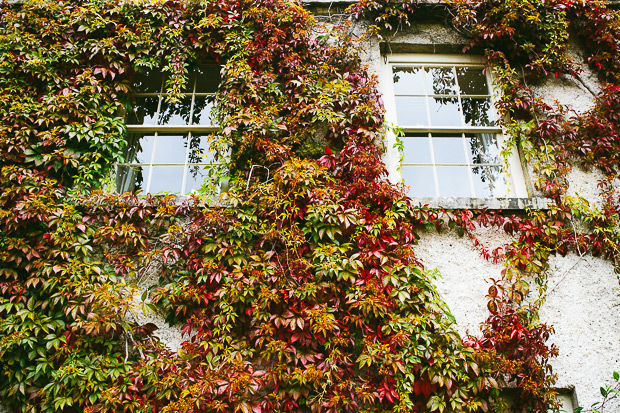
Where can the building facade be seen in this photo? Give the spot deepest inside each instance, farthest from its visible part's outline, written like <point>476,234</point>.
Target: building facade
<point>370,207</point>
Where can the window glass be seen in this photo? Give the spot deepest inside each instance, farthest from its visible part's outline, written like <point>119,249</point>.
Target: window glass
<point>420,179</point>
<point>143,111</point>
<point>472,81</point>
<point>450,147</point>
<point>453,181</point>
<point>445,111</point>
<point>408,80</point>
<point>478,112</point>
<point>483,148</point>
<point>168,147</point>
<point>489,181</point>
<point>175,113</point>
<point>441,80</point>
<point>417,149</point>
<point>411,111</point>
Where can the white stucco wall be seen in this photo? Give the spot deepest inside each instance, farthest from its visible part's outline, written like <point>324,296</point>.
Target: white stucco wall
<point>584,305</point>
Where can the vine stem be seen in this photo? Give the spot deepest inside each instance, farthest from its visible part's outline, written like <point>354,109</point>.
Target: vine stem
<point>564,275</point>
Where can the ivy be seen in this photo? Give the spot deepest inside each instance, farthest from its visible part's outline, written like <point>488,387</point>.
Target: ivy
<point>300,291</point>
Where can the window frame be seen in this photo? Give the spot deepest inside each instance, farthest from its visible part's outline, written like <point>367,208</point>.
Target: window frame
<point>513,170</point>
<point>135,132</point>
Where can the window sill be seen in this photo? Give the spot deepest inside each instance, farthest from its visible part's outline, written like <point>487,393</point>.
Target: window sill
<point>516,204</point>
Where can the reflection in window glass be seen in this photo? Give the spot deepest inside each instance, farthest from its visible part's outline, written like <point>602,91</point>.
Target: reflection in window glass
<point>472,81</point>
<point>408,81</point>
<point>175,113</point>
<point>143,111</point>
<point>483,148</point>
<point>478,112</point>
<point>131,178</point>
<point>158,160</point>
<point>442,81</point>
<point>202,110</point>
<point>207,78</point>
<point>489,181</point>
<point>144,144</point>
<point>194,177</point>
<point>432,100</point>
<point>445,111</point>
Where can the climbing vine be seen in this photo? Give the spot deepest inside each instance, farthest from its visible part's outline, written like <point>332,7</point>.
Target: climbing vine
<point>299,289</point>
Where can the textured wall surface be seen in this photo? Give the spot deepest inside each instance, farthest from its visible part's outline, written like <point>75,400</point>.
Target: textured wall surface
<point>585,303</point>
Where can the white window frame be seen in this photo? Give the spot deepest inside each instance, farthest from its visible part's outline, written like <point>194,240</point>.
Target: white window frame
<point>135,130</point>
<point>514,178</point>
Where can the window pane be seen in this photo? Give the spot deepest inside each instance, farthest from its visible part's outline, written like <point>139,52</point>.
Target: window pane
<point>478,112</point>
<point>208,78</point>
<point>408,81</point>
<point>483,148</point>
<point>176,113</point>
<point>442,79</point>
<point>411,111</point>
<point>144,148</point>
<point>199,151</point>
<point>131,178</point>
<point>472,81</point>
<point>489,181</point>
<point>420,180</point>
<point>202,110</point>
<point>453,181</point>
<point>449,149</point>
<point>416,149</point>
<point>143,111</point>
<point>166,179</point>
<point>194,177</point>
<point>150,82</point>
<point>170,149</point>
<point>445,111</point>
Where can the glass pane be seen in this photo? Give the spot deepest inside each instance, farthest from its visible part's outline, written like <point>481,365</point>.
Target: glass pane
<point>208,78</point>
<point>449,149</point>
<point>453,181</point>
<point>408,81</point>
<point>144,149</point>
<point>443,82</point>
<point>194,177</point>
<point>199,150</point>
<point>483,148</point>
<point>166,179</point>
<point>489,181</point>
<point>150,82</point>
<point>478,112</point>
<point>202,110</point>
<point>131,178</point>
<point>445,111</point>
<point>472,81</point>
<point>411,111</point>
<point>143,111</point>
<point>175,114</point>
<point>420,181</point>
<point>170,149</point>
<point>416,149</point>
